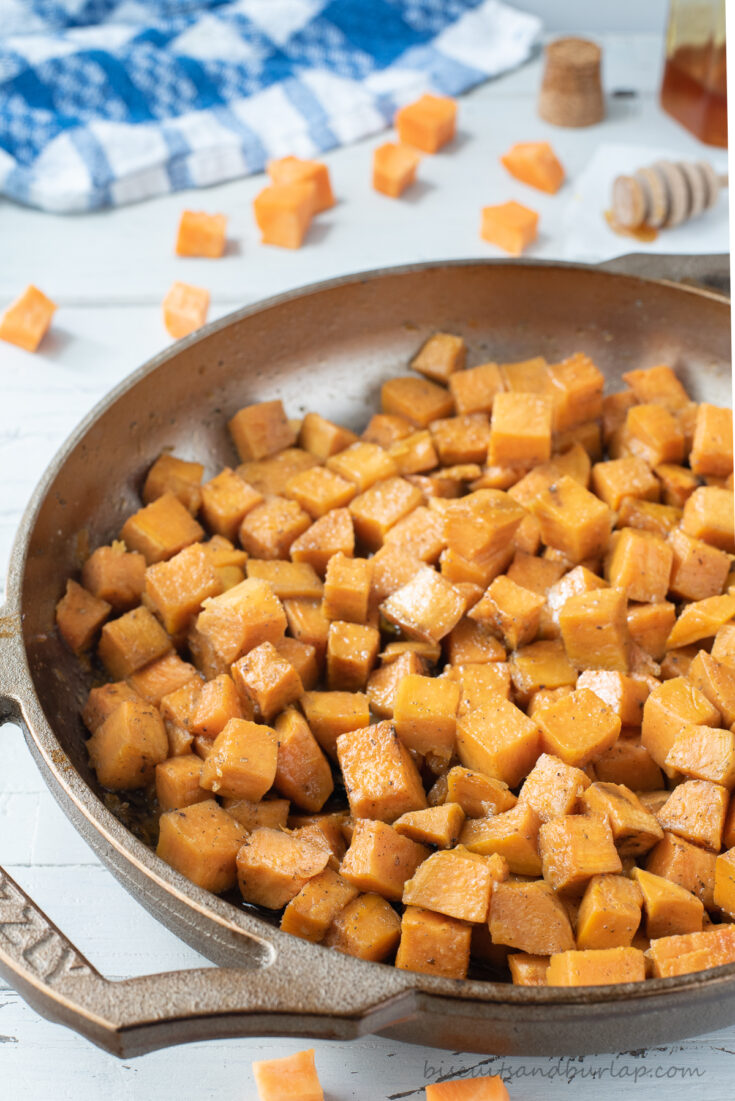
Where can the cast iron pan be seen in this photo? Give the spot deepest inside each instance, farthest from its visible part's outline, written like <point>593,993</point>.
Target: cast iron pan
<point>328,348</point>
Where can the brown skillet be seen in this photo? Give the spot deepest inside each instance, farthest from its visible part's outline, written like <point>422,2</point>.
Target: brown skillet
<point>327,347</point>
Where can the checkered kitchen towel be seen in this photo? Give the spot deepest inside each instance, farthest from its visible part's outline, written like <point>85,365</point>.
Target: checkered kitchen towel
<point>104,102</point>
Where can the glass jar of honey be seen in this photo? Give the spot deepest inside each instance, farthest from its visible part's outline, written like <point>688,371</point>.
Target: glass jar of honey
<point>694,88</point>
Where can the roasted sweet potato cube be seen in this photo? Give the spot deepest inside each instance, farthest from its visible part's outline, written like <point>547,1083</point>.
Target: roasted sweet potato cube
<point>724,891</point>
<point>417,399</point>
<point>125,749</point>
<point>688,865</point>
<point>541,665</point>
<point>723,647</point>
<point>330,714</point>
<point>226,500</point>
<point>319,491</point>
<point>481,526</point>
<point>426,608</point>
<point>170,474</point>
<point>234,623</point>
<point>323,438</point>
<point>217,703</point>
<point>481,683</point>
<point>414,454</point>
<point>347,588</point>
<point>572,519</point>
<point>272,813</point>
<point>477,794</point>
<point>595,631</point>
<point>624,695</point>
<point>520,431</point>
<point>177,588</point>
<point>536,574</point>
<point>576,391</point>
<point>696,810</point>
<point>512,834</point>
<point>363,464</point>
<point>703,753</point>
<point>302,771</point>
<point>530,917</point>
<point>242,764</point>
<point>553,788</point>
<point>708,515</point>
<point>440,825</point>
<point>575,847</point>
<point>510,610</point>
<point>578,727</point>
<point>677,483</point>
<point>368,927</point>
<point>498,740</point>
<point>423,531</point>
<point>383,682</point>
<point>303,658</point>
<point>385,428</point>
<point>680,955</point>
<point>376,510</point>
<point>424,714</point>
<point>270,476</point>
<point>161,677</point>
<point>472,642</point>
<point>639,564</point>
<point>528,970</point>
<point>115,575</point>
<point>177,782</point>
<point>596,967</point>
<point>440,356</point>
<point>329,535</point>
<point>289,580</point>
<point>273,866</point>
<point>634,829</point>
<point>658,385</point>
<point>648,516</point>
<point>177,710</point>
<point>669,707</point>
<point>103,700</point>
<point>380,860</point>
<point>649,626</point>
<point>310,913</point>
<point>79,617</point>
<point>261,430</point>
<point>201,841</point>
<point>379,774</point>
<point>653,434</point>
<point>270,528</point>
<point>670,909</point>
<point>433,944</point>
<point>474,389</point>
<point>461,439</point>
<point>455,882</point>
<point>132,641</point>
<point>699,570</point>
<point>701,619</point>
<point>716,680</point>
<point>161,529</point>
<point>267,679</point>
<point>352,649</point>
<point>712,444</point>
<point>609,913</point>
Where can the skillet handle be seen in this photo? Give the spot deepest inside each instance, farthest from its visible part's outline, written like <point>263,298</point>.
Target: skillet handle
<point>709,270</point>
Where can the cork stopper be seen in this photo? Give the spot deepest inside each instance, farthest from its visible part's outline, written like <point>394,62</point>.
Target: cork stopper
<point>571,89</point>
<point>665,194</point>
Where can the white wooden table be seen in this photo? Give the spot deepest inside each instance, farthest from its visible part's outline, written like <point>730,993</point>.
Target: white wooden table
<point>109,272</point>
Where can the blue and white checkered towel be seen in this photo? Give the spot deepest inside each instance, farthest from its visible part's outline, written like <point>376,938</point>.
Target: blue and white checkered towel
<point>104,102</point>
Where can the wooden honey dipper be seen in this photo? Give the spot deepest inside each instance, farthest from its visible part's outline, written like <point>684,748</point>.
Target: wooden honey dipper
<point>665,194</point>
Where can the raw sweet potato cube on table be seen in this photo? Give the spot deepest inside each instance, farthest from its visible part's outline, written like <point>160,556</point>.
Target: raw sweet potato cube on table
<point>319,491</point>
<point>487,1088</point>
<point>711,451</point>
<point>185,309</point>
<point>574,848</point>
<point>368,927</point>
<point>132,641</point>
<point>534,163</point>
<point>594,630</point>
<point>347,588</point>
<point>701,619</point>
<point>639,563</point>
<point>520,432</point>
<point>303,774</point>
<point>363,464</point>
<point>512,834</point>
<point>498,740</point>
<point>177,782</point>
<point>417,399</point>
<point>440,825</point>
<point>572,519</point>
<point>226,500</point>
<point>273,866</point>
<point>330,714</point>
<point>708,515</point>
<point>242,764</point>
<point>455,882</point>
<point>634,829</point>
<point>609,913</point>
<point>424,713</point>
<point>703,753</point>
<point>724,890</point>
<point>440,356</point>
<point>680,955</point>
<point>380,860</point>
<point>596,967</point>
<point>161,677</point>
<point>269,529</point>
<point>80,616</point>
<point>426,608</point>
<point>115,575</point>
<point>161,529</point>
<point>376,510</point>
<point>283,212</point>
<point>669,908</point>
<point>292,1078</point>
<point>511,226</point>
<point>510,611</point>
<point>125,749</point>
<point>428,123</point>
<point>577,728</point>
<point>170,474</point>
<point>379,774</point>
<point>552,787</point>
<point>235,622</point>
<point>322,438</point>
<point>688,865</point>
<point>201,234</point>
<point>176,589</point>
<point>352,650</point>
<point>267,680</point>
<point>290,170</point>
<point>201,841</point>
<point>394,168</point>
<point>696,810</point>
<point>531,917</point>
<point>433,944</point>
<point>670,707</point>
<point>474,388</point>
<point>310,913</point>
<point>328,536</point>
<point>543,664</point>
<point>699,570</point>
<point>26,321</point>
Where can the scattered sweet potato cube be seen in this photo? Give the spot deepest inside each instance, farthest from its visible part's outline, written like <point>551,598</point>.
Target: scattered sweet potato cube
<point>701,619</point>
<point>498,740</point>
<point>696,811</point>
<point>511,226</point>
<point>609,913</point>
<point>368,927</point>
<point>226,500</point>
<point>394,168</point>
<point>347,588</point>
<point>302,771</point>
<point>417,399</point>
<point>534,163</point>
<point>711,451</point>
<point>671,706</point>
<point>329,535</point>
<point>634,829</point>
<point>352,650</point>
<point>80,616</point>
<point>424,713</point>
<point>283,212</point>
<point>520,431</point>
<point>708,515</point>
<point>575,847</point>
<point>639,564</point>
<point>201,234</point>
<point>594,630</point>
<point>380,776</point>
<point>427,607</point>
<point>161,529</point>
<point>269,529</point>
<point>703,753</point>
<point>699,570</point>
<point>440,356</point>
<point>273,866</point>
<point>455,882</point>
<point>115,575</point>
<point>26,321</point>
<point>235,622</point>
<point>433,944</point>
<point>552,787</point>
<point>670,909</point>
<point>267,679</point>
<point>510,611</point>
<point>185,309</point>
<point>177,782</point>
<point>381,506</point>
<point>242,764</point>
<point>201,841</point>
<point>531,917</point>
<point>125,749</point>
<point>428,123</point>
<point>310,913</point>
<point>330,714</point>
<point>177,476</point>
<point>596,967</point>
<point>132,641</point>
<point>572,519</point>
<point>380,860</point>
<point>294,170</point>
<point>512,834</point>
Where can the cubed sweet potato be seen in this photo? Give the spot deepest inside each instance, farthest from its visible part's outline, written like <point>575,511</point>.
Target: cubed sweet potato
<point>242,764</point>
<point>202,842</point>
<point>273,866</point>
<point>531,917</point>
<point>115,575</point>
<point>380,776</point>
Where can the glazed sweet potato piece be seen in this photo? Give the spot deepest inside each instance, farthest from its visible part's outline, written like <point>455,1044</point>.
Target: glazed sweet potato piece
<point>383,682</point>
<point>433,944</point>
<point>273,866</point>
<point>267,680</point>
<point>177,782</point>
<point>704,753</point>
<point>381,506</point>
<point>572,519</point>
<point>520,431</point>
<point>427,607</point>
<point>368,927</point>
<point>125,749</point>
<point>575,847</point>
<point>708,515</point>
<point>552,787</point>
<point>352,650</point>
<point>634,829</point>
<point>115,575</point>
<point>217,703</point>
<point>669,707</point>
<point>380,776</point>
<point>234,623</point>
<point>424,713</point>
<point>418,400</point>
<point>161,529</point>
<point>177,588</point>
<point>302,771</point>
<point>680,955</point>
<point>330,714</point>
<point>161,677</point>
<point>530,916</point>
<point>270,813</point>
<point>512,834</point>
<point>437,825</point>
<point>670,909</point>
<point>609,913</point>
<point>477,794</point>
<point>242,764</point>
<point>542,665</point>
<point>711,452</point>
<point>639,563</point>
<point>695,810</point>
<point>724,892</point>
<point>511,611</point>
<point>701,619</point>
<point>380,860</point>
<point>178,477</point>
<point>699,571</point>
<point>177,711</point>
<point>498,740</point>
<point>103,700</point>
<point>132,641</point>
<point>578,727</point>
<point>528,970</point>
<point>596,967</point>
<point>80,616</point>
<point>310,913</point>
<point>594,630</point>
<point>455,882</point>
<point>691,866</point>
<point>202,842</point>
